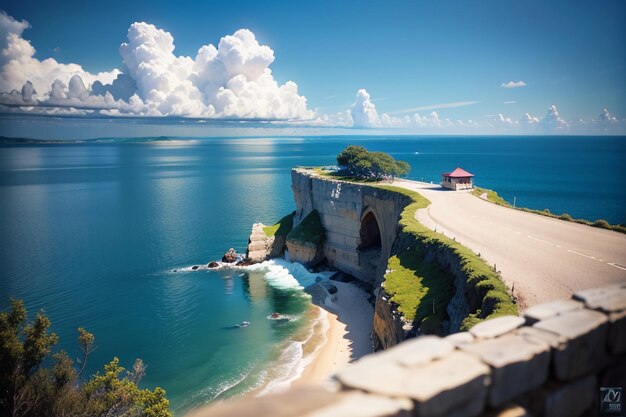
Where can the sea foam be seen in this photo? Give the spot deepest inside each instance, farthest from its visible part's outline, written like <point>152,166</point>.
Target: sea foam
<point>283,274</point>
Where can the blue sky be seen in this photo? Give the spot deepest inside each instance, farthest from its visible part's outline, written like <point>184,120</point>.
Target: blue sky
<point>406,54</point>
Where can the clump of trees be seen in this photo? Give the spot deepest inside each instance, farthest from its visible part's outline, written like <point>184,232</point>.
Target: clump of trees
<point>34,382</point>
<point>359,162</point>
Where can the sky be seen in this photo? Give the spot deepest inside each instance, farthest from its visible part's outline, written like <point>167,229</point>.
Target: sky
<point>488,67</point>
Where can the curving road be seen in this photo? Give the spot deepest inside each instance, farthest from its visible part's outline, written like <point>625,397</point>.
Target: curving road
<point>546,259</point>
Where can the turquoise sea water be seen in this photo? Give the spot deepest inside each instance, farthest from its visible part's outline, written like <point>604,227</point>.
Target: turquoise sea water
<point>91,232</point>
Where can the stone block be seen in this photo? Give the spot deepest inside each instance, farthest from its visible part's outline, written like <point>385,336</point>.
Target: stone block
<point>256,245</point>
<point>510,410</point>
<point>554,340</point>
<point>297,402</point>
<point>549,310</point>
<point>585,349</point>
<point>257,255</point>
<point>611,298</point>
<point>438,387</point>
<point>419,351</point>
<point>496,327</point>
<point>358,404</point>
<point>458,339</point>
<point>572,399</point>
<point>614,375</point>
<point>617,333</point>
<point>518,364</point>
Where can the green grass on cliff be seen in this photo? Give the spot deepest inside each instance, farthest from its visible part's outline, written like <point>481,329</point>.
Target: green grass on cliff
<point>336,175</point>
<point>281,228</point>
<point>412,284</point>
<point>493,197</point>
<point>310,229</point>
<point>422,290</point>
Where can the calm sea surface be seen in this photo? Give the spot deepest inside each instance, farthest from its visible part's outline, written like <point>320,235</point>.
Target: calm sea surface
<point>91,233</point>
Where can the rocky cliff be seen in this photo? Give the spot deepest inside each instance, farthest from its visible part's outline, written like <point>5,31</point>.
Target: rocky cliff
<point>365,226</point>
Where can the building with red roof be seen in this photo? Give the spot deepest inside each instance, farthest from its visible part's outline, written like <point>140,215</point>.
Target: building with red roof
<point>459,179</point>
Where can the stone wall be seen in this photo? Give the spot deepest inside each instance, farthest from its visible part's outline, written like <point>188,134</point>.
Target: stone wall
<point>552,362</point>
<point>341,207</point>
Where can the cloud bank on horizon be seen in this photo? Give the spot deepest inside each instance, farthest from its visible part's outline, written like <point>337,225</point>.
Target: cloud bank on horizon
<point>230,81</point>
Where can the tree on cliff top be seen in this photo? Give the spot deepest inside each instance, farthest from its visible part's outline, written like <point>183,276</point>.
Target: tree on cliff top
<point>359,162</point>
<point>35,383</point>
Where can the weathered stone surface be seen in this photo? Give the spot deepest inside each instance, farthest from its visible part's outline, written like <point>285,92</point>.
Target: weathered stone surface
<point>388,327</point>
<point>496,327</point>
<point>458,339</point>
<point>357,404</point>
<point>518,364</point>
<point>549,310</point>
<point>437,387</point>
<point>230,256</point>
<point>554,340</point>
<point>609,299</point>
<point>298,402</point>
<point>614,375</point>
<point>341,206</point>
<point>419,351</point>
<point>571,399</point>
<point>256,245</point>
<point>257,255</point>
<point>308,254</point>
<point>585,350</point>
<point>617,333</point>
<point>510,410</point>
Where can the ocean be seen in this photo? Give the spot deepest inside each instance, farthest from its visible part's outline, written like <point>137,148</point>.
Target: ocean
<point>92,233</point>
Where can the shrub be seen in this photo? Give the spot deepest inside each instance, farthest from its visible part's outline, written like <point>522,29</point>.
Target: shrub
<point>603,224</point>
<point>359,162</point>
<point>35,383</point>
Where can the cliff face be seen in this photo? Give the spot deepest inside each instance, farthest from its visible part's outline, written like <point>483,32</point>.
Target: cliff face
<point>363,229</point>
<point>342,208</point>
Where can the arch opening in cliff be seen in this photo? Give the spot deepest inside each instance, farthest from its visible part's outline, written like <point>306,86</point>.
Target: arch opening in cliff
<point>370,233</point>
<point>370,247</point>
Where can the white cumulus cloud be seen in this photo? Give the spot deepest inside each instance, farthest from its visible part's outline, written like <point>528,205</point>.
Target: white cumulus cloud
<point>552,120</point>
<point>513,84</point>
<point>363,111</point>
<point>18,64</point>
<point>527,119</point>
<point>231,81</point>
<point>607,118</point>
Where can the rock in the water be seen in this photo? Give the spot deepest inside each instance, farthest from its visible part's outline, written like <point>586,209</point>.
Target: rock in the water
<point>230,256</point>
<point>212,264</point>
<point>195,267</point>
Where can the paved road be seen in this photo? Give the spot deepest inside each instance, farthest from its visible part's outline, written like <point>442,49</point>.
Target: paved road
<point>545,258</point>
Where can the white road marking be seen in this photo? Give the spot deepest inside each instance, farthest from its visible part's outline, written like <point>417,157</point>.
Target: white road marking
<point>541,240</point>
<point>586,256</point>
<point>617,266</point>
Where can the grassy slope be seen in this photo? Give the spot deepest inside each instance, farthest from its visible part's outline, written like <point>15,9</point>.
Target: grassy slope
<point>416,283</point>
<point>493,197</point>
<point>281,227</point>
<point>310,229</point>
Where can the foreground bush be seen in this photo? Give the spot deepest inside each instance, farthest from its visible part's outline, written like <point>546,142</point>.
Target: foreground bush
<point>35,383</point>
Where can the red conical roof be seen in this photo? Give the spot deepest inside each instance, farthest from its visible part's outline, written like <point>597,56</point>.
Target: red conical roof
<point>459,173</point>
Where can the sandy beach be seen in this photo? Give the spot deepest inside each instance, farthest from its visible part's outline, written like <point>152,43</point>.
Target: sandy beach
<point>350,317</point>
